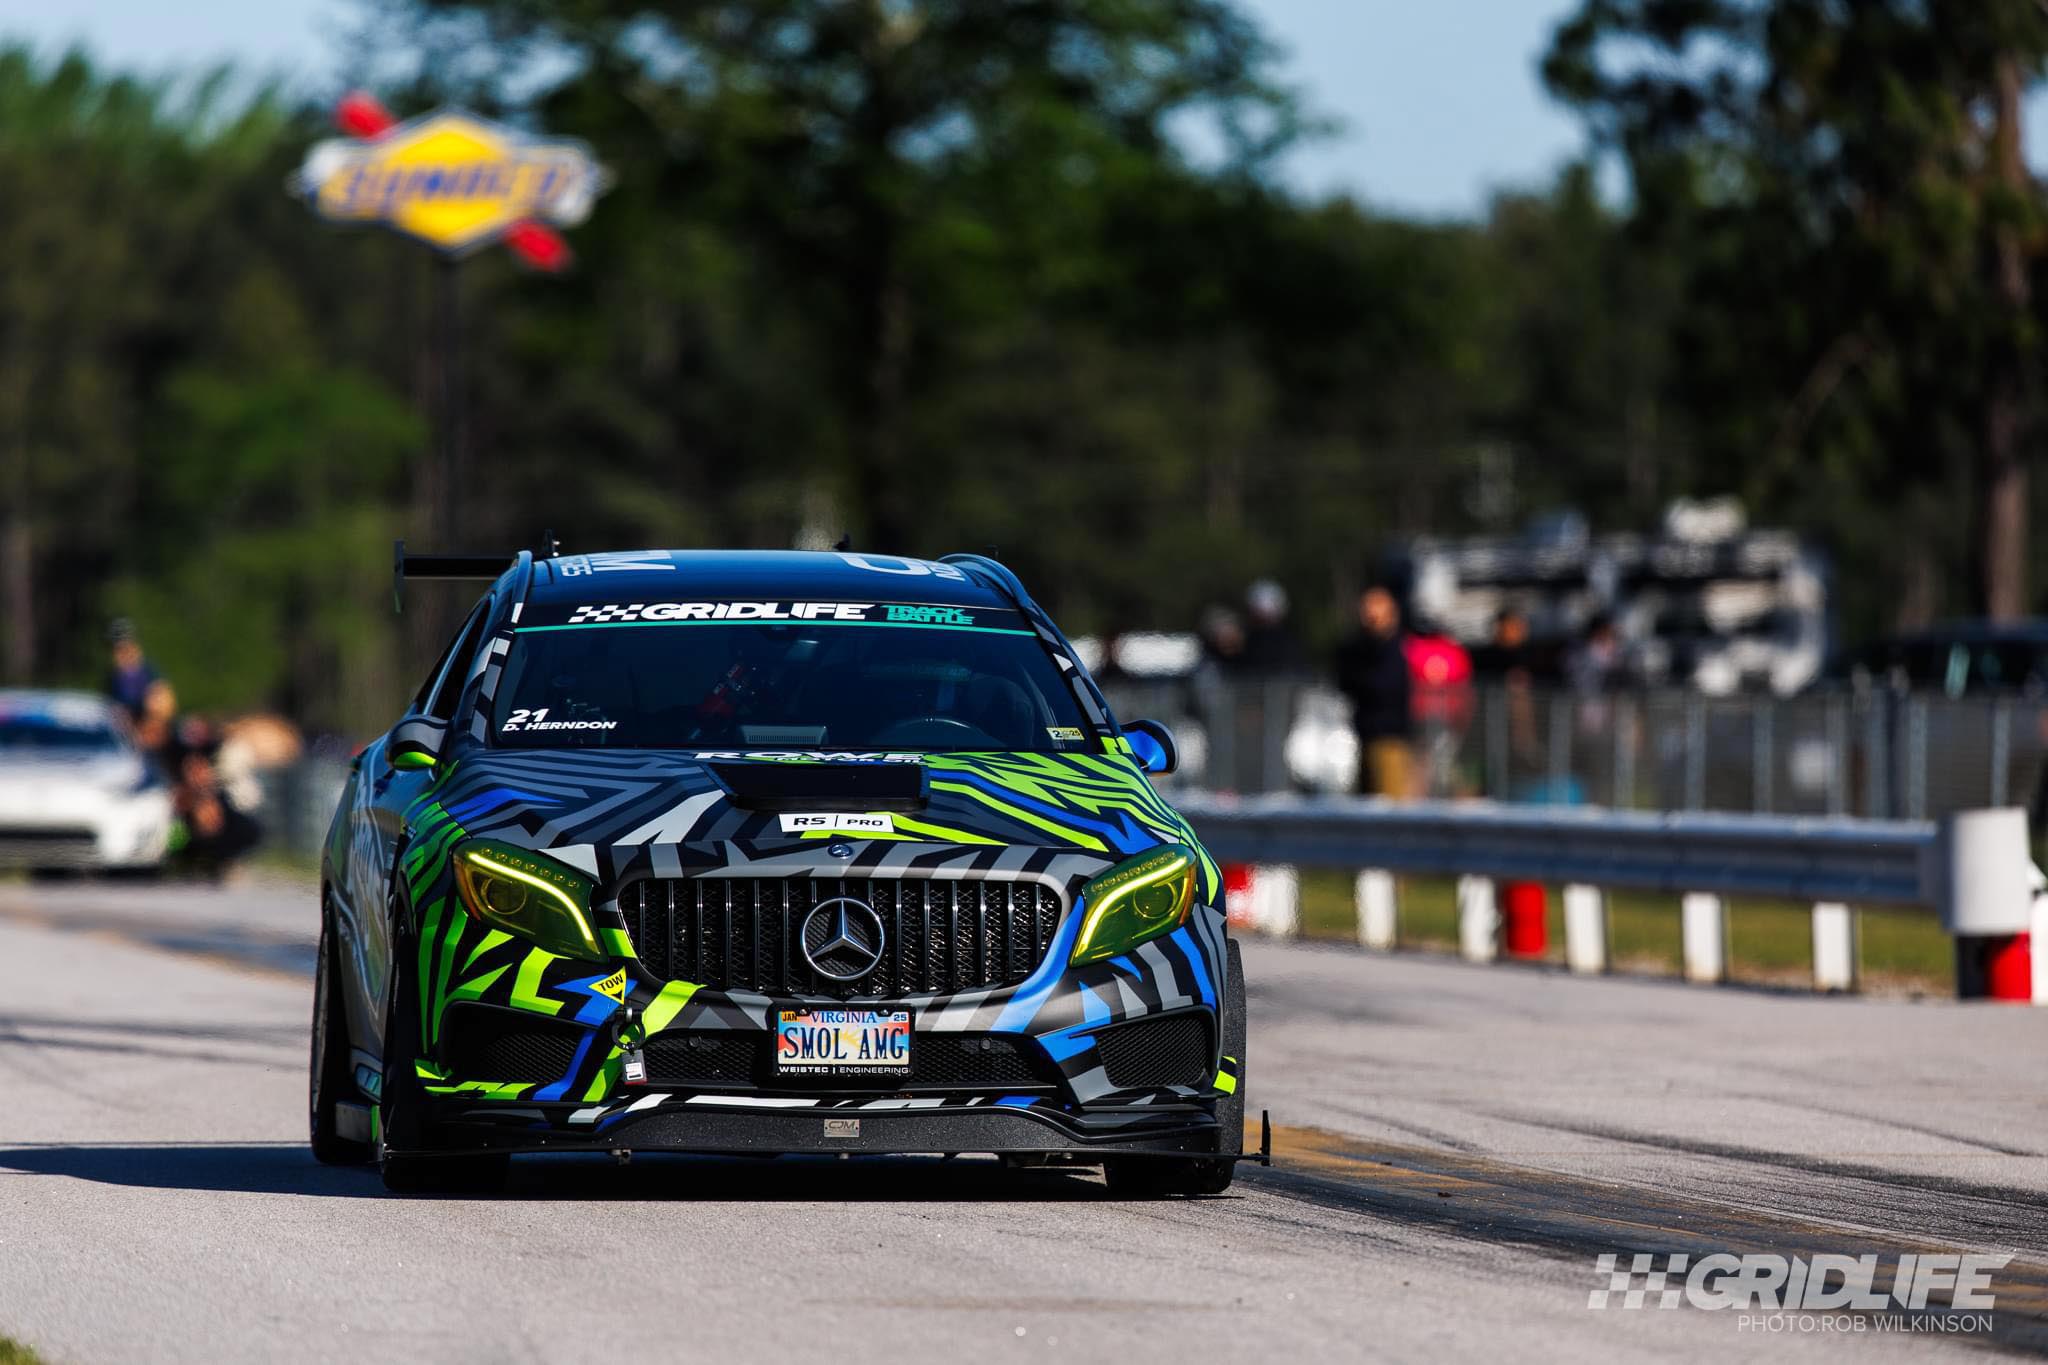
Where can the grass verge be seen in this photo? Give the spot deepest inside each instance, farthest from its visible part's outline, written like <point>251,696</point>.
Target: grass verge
<point>1770,941</point>
<point>13,1352</point>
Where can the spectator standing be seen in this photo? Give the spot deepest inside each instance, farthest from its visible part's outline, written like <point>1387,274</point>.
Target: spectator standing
<point>1222,641</point>
<point>140,692</point>
<point>1270,647</point>
<point>129,674</point>
<point>1506,655</point>
<point>1274,665</point>
<point>1440,672</point>
<point>1216,684</point>
<point>1595,666</point>
<point>1596,670</point>
<point>1442,675</point>
<point>1372,670</point>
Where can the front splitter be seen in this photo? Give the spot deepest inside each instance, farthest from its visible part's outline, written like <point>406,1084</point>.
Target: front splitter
<point>680,1123</point>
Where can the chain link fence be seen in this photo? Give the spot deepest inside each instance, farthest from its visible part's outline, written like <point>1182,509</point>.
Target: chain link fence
<point>1875,753</point>
<point>1879,754</point>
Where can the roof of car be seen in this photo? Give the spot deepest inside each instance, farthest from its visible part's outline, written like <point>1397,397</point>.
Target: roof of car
<point>73,707</point>
<point>806,575</point>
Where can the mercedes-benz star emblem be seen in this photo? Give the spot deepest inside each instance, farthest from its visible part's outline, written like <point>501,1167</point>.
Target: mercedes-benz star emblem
<point>842,939</point>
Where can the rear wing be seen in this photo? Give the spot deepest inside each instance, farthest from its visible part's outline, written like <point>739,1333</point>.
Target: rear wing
<point>457,568</point>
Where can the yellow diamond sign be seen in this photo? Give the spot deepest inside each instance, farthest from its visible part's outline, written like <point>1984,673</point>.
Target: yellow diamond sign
<point>451,179</point>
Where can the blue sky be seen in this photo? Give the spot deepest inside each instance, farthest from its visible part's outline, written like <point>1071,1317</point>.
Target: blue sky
<point>1440,101</point>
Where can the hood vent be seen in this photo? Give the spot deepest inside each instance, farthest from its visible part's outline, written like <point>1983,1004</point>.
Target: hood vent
<point>825,786</point>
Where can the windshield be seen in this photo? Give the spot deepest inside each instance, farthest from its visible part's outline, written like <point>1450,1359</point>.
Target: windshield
<point>43,733</point>
<point>848,676</point>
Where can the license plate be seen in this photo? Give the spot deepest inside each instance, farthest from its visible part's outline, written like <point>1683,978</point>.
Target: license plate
<point>842,1042</point>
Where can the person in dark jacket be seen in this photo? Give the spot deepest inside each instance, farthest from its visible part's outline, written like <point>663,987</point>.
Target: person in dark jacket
<point>1372,670</point>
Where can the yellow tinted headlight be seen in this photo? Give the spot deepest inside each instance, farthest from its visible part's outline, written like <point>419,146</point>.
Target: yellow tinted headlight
<point>1135,901</point>
<point>525,894</point>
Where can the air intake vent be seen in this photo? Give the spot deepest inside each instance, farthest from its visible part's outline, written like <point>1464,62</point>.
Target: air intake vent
<point>1155,1053</point>
<point>825,786</point>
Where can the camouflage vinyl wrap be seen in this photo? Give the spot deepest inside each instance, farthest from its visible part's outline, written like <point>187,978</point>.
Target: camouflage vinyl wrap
<point>1056,818</point>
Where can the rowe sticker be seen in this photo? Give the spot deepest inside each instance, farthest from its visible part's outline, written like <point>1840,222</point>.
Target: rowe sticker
<point>838,822</point>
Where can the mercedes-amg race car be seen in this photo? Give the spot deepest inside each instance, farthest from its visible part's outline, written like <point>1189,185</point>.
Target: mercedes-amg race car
<point>769,853</point>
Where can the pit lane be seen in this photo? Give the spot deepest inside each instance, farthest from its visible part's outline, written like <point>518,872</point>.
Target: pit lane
<point>1454,1147</point>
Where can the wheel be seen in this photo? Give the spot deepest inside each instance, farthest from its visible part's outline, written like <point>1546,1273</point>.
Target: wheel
<point>328,1078</point>
<point>401,1104</point>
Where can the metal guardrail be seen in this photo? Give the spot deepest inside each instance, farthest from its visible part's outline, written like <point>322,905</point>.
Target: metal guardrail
<point>1882,861</point>
<point>1973,868</point>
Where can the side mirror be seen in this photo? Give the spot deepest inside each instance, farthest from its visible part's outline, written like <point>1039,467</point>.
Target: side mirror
<point>415,743</point>
<point>1153,745</point>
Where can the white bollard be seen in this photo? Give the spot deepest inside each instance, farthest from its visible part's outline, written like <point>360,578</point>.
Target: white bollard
<point>1276,899</point>
<point>1704,930</point>
<point>1378,919</point>
<point>2038,942</point>
<point>1585,929</point>
<point>1834,947</point>
<point>1478,919</point>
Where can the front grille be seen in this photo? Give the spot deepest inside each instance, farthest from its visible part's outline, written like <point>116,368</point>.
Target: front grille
<point>1154,1053</point>
<point>939,936</point>
<point>59,834</point>
<point>480,1043</point>
<point>48,847</point>
<point>938,1061</point>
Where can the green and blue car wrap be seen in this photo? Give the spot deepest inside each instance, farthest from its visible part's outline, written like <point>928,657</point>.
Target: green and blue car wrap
<point>548,1040</point>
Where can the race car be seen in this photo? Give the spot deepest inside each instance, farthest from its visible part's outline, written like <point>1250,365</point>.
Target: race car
<point>75,793</point>
<point>769,852</point>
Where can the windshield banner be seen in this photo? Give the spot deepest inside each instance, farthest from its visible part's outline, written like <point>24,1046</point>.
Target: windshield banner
<point>564,615</point>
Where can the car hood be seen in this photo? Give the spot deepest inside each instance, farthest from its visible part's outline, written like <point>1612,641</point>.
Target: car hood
<point>114,773</point>
<point>586,806</point>
<point>45,790</point>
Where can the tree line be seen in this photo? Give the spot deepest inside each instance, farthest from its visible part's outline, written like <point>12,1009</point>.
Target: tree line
<point>945,274</point>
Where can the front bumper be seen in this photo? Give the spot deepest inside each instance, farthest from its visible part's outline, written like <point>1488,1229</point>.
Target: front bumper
<point>525,1050</point>
<point>769,1126</point>
<point>105,836</point>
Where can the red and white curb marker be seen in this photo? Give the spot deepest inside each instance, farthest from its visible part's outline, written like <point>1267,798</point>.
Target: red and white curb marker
<point>1262,898</point>
<point>1995,906</point>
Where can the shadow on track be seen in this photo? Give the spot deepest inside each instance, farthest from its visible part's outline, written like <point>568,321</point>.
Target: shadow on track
<point>275,1168</point>
<point>287,1168</point>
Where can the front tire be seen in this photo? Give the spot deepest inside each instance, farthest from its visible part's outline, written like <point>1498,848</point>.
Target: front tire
<point>329,1076</point>
<point>403,1130</point>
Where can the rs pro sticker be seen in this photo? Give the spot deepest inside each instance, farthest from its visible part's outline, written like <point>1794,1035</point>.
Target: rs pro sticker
<point>839,822</point>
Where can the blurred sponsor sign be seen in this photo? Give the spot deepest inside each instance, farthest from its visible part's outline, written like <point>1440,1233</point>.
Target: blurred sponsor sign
<point>452,180</point>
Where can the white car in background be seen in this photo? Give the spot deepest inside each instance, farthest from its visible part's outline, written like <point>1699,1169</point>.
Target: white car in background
<point>75,792</point>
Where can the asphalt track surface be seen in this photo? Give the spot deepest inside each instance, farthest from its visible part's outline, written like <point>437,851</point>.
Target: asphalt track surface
<point>1455,1146</point>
